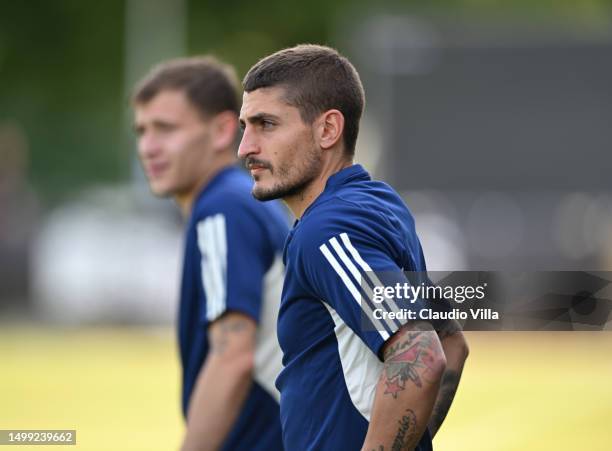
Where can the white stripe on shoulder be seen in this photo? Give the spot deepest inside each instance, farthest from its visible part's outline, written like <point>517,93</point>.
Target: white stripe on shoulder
<point>204,238</point>
<point>349,284</point>
<point>371,275</point>
<point>212,241</point>
<point>340,271</point>
<point>347,242</point>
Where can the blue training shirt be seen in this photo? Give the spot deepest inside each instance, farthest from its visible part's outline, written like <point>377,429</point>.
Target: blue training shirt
<point>233,262</point>
<point>331,364</point>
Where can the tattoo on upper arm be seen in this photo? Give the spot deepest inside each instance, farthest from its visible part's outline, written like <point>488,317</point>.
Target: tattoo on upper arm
<point>411,359</point>
<point>227,326</point>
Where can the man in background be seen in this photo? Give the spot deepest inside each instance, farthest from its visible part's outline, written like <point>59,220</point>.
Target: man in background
<point>343,386</point>
<point>186,119</point>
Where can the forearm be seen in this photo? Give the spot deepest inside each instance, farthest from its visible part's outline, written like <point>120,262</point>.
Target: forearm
<point>223,383</point>
<point>215,405</point>
<point>456,351</point>
<point>407,389</point>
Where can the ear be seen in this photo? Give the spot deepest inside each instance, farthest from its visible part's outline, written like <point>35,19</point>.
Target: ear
<point>223,130</point>
<point>330,128</point>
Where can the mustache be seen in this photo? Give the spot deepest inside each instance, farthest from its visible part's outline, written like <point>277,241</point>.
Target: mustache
<point>250,161</point>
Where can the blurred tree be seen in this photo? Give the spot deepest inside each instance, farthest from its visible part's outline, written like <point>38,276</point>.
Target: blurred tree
<point>62,65</point>
<point>61,79</point>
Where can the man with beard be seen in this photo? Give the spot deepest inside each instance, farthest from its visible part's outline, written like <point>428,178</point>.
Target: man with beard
<point>343,386</point>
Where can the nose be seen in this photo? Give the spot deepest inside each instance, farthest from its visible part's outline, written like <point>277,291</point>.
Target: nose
<point>248,144</point>
<point>148,146</point>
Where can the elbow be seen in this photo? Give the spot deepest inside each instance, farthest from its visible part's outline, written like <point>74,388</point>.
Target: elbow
<point>241,366</point>
<point>437,367</point>
<point>436,362</point>
<point>456,349</point>
<point>231,369</point>
<point>247,366</point>
<point>466,352</point>
<point>463,348</point>
<point>234,369</point>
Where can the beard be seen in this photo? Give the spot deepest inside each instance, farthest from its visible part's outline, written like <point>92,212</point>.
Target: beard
<point>293,178</point>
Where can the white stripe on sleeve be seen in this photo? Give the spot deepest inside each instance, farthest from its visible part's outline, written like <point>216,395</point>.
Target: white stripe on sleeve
<point>366,268</point>
<point>349,284</point>
<point>212,241</point>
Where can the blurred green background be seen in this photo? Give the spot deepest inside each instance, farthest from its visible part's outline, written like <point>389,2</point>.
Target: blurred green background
<point>65,64</point>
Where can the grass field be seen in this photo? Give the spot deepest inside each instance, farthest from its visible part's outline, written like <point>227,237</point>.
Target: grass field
<point>119,388</point>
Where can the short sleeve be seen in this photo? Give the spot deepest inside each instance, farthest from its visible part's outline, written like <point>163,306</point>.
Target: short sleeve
<point>235,255</point>
<point>344,258</point>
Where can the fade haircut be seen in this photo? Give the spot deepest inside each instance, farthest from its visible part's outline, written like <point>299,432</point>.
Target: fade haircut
<point>210,85</point>
<point>315,79</point>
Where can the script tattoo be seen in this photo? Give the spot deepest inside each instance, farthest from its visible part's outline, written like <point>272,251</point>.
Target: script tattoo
<point>405,438</point>
<point>227,326</point>
<point>410,358</point>
<point>405,433</point>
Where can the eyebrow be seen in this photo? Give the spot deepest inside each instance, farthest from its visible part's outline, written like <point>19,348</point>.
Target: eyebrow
<point>139,128</point>
<point>258,118</point>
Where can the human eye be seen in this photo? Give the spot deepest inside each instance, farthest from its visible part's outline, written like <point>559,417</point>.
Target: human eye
<point>165,127</point>
<point>267,124</point>
<point>139,130</point>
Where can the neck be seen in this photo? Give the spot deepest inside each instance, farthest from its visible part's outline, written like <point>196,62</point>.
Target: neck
<point>298,203</point>
<point>186,199</point>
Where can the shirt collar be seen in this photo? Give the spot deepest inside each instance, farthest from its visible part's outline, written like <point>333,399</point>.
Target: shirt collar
<point>217,178</point>
<point>342,177</point>
<point>354,172</point>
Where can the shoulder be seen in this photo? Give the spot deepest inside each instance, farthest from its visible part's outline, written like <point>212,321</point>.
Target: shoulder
<point>224,196</point>
<point>374,223</point>
<point>229,210</point>
<point>336,220</point>
<point>232,198</point>
<point>346,212</point>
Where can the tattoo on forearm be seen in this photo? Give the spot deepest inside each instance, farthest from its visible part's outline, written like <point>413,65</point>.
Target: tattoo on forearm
<point>448,388</point>
<point>410,359</point>
<point>405,437</point>
<point>219,342</point>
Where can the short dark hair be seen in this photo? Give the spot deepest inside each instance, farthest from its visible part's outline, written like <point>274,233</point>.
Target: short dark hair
<point>209,84</point>
<point>316,78</point>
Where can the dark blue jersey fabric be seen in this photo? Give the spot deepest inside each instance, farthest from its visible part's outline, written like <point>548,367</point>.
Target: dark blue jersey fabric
<point>331,362</point>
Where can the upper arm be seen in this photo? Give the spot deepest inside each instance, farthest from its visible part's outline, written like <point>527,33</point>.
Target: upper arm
<point>232,339</point>
<point>235,255</point>
<point>344,259</point>
<point>414,354</point>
